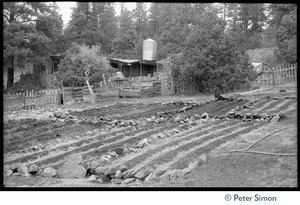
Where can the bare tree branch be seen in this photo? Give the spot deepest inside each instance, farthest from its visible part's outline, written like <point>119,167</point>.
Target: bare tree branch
<point>6,18</point>
<point>78,77</point>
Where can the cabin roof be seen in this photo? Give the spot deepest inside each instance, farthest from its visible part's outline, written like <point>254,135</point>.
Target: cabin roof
<point>130,61</point>
<point>120,60</point>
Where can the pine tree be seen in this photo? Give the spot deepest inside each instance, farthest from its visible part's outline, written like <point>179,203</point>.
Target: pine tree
<point>154,19</point>
<point>140,20</point>
<point>124,44</point>
<point>20,34</point>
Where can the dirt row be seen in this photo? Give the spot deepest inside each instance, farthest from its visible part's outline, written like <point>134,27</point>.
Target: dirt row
<point>170,145</point>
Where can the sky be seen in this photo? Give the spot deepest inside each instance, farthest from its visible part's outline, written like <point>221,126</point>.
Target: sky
<point>66,9</point>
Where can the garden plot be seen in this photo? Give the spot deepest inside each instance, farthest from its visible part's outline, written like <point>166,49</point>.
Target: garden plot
<point>130,144</point>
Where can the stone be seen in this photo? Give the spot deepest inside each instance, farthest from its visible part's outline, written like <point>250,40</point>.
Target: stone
<point>6,168</point>
<point>116,181</point>
<point>160,135</point>
<point>92,178</point>
<point>142,174</point>
<point>115,122</point>
<point>111,171</point>
<point>123,168</point>
<point>101,170</point>
<point>35,148</point>
<point>132,149</point>
<point>21,168</point>
<point>126,150</point>
<point>143,143</point>
<point>154,176</point>
<point>128,180</point>
<point>275,119</point>
<point>16,174</point>
<point>89,133</point>
<point>177,119</point>
<point>49,172</point>
<point>149,177</point>
<point>237,108</point>
<point>9,172</point>
<point>104,178</point>
<point>204,115</point>
<point>118,150</point>
<point>248,115</point>
<point>118,174</point>
<point>72,169</point>
<point>263,115</point>
<point>108,128</point>
<point>176,131</point>
<point>93,165</point>
<point>231,112</point>
<point>112,153</point>
<point>33,169</point>
<point>128,174</point>
<point>100,181</point>
<point>105,158</point>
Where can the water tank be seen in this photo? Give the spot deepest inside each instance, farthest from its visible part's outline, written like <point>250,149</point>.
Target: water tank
<point>149,49</point>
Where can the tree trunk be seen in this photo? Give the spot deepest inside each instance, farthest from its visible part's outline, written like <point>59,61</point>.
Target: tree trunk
<point>91,91</point>
<point>10,74</point>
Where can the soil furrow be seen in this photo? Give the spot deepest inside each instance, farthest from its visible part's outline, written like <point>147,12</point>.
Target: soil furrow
<point>36,155</point>
<point>283,107</point>
<point>42,138</point>
<point>261,104</point>
<point>98,146</point>
<point>184,161</point>
<point>264,105</point>
<point>170,155</point>
<point>273,104</point>
<point>180,140</point>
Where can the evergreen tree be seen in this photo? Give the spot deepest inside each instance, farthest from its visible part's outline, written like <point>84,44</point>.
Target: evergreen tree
<point>286,36</point>
<point>173,29</point>
<point>154,19</point>
<point>51,24</point>
<point>21,38</point>
<point>211,60</point>
<point>140,20</point>
<point>124,44</point>
<point>82,27</point>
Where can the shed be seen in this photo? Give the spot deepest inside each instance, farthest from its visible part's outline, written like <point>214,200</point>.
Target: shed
<point>262,67</point>
<point>133,67</point>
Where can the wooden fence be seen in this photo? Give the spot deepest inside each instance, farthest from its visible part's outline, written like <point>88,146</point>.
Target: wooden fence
<point>279,75</point>
<point>145,86</point>
<point>31,100</point>
<point>83,93</point>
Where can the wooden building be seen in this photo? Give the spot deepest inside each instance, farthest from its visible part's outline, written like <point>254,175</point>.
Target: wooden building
<point>133,68</point>
<point>262,67</point>
<point>55,61</point>
<point>265,72</point>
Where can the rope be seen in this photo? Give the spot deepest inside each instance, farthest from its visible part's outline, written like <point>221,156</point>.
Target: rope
<point>265,153</point>
<point>265,137</point>
<point>270,153</point>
